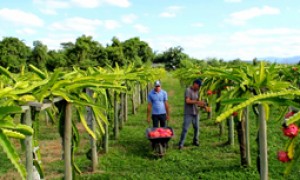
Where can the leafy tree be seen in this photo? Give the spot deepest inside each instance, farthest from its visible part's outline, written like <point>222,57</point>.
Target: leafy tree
<point>56,59</point>
<point>68,48</point>
<point>13,53</point>
<point>39,55</point>
<point>171,57</point>
<point>115,53</point>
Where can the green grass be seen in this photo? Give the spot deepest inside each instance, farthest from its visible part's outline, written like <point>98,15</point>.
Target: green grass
<point>131,157</point>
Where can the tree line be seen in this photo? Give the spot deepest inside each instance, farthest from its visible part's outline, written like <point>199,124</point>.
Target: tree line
<point>86,52</point>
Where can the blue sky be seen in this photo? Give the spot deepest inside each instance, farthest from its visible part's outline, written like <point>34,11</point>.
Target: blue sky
<point>225,29</point>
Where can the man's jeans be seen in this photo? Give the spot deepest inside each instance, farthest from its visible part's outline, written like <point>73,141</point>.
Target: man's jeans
<point>159,119</point>
<point>188,119</point>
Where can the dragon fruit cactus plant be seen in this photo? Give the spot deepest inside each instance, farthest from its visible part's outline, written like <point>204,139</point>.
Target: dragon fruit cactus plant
<point>291,131</point>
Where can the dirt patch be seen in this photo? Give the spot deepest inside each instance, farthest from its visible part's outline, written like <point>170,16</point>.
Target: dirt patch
<point>10,175</point>
<point>51,150</point>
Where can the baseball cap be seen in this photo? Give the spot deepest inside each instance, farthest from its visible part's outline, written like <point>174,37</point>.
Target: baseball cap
<point>198,81</point>
<point>157,83</point>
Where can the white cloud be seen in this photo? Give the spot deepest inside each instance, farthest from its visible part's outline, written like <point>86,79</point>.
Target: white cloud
<point>97,3</point>
<point>174,8</point>
<point>232,1</point>
<point>246,45</point>
<point>120,3</point>
<point>198,24</point>
<point>50,6</point>
<point>190,44</point>
<point>19,17</point>
<point>129,18</point>
<point>167,14</point>
<point>141,28</point>
<point>279,42</point>
<point>78,24</point>
<point>240,18</point>
<point>111,24</point>
<point>171,11</point>
<point>86,3</point>
<point>53,40</point>
<point>26,31</point>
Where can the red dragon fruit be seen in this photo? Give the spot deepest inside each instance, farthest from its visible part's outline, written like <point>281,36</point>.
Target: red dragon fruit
<point>289,114</point>
<point>290,131</point>
<point>283,156</point>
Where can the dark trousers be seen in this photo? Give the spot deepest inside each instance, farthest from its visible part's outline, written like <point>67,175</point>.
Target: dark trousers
<point>159,119</point>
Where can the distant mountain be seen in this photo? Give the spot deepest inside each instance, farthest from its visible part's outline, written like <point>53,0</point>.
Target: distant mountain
<point>283,60</point>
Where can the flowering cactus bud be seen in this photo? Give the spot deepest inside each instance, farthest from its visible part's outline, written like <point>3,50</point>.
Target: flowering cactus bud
<point>283,156</point>
<point>290,131</point>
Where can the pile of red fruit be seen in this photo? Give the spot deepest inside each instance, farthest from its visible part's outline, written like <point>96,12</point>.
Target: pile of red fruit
<point>160,133</point>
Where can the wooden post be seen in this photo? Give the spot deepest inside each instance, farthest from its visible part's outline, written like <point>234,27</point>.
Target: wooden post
<point>121,117</point>
<point>141,94</point>
<point>125,107</point>
<point>68,142</point>
<point>26,118</point>
<point>105,139</point>
<point>247,129</point>
<point>263,147</point>
<point>231,131</point>
<point>116,119</point>
<point>133,103</point>
<point>91,124</point>
<point>221,128</point>
<point>138,87</point>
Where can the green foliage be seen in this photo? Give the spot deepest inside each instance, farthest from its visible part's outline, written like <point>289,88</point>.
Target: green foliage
<point>13,53</point>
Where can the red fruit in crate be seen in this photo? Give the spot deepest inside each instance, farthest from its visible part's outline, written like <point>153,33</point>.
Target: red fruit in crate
<point>163,134</point>
<point>169,131</point>
<point>156,134</point>
<point>290,131</point>
<point>235,113</point>
<point>289,114</point>
<point>283,156</point>
<point>160,130</point>
<point>209,92</point>
<point>151,134</point>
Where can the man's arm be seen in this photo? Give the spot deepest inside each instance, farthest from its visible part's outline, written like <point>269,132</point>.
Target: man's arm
<point>199,103</point>
<point>167,110</point>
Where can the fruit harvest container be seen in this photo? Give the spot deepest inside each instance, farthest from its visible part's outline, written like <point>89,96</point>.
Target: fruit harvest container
<point>148,130</point>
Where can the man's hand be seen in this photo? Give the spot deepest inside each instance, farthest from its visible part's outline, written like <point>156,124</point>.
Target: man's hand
<point>201,103</point>
<point>168,117</point>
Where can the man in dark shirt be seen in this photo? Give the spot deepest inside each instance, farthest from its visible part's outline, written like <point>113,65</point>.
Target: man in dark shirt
<point>191,112</point>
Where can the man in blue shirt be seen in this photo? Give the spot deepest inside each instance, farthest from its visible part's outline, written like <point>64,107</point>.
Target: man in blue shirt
<point>158,104</point>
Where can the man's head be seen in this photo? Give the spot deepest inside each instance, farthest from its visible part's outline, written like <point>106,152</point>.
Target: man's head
<point>157,86</point>
<point>196,84</point>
